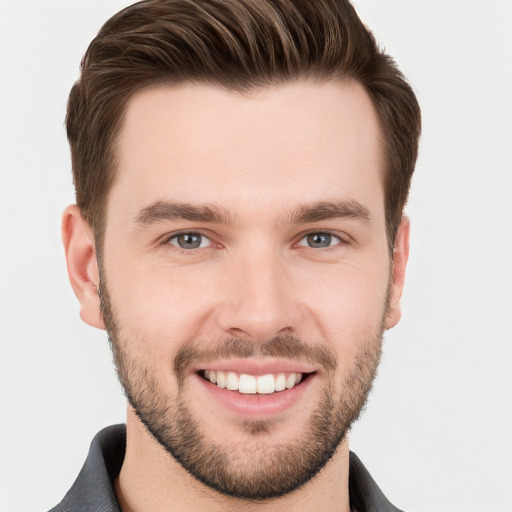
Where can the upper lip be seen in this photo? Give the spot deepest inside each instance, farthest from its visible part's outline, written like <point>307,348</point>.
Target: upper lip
<point>258,367</point>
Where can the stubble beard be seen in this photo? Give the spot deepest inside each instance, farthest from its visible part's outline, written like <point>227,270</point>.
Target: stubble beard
<point>258,471</point>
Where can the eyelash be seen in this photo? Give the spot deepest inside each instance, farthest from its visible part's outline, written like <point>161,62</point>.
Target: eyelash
<point>167,241</point>
<point>342,237</point>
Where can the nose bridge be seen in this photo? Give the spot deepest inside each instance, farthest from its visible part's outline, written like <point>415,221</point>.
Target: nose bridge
<point>259,303</point>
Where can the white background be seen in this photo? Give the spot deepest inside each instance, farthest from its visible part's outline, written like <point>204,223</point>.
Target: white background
<point>437,433</point>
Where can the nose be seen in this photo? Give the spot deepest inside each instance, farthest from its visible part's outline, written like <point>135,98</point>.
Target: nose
<point>259,302</point>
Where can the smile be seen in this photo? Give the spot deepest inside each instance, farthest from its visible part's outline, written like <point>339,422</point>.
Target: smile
<point>257,388</point>
<point>253,384</point>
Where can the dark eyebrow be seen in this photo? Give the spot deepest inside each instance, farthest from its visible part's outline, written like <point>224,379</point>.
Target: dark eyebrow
<point>169,211</point>
<point>330,210</point>
<point>315,212</point>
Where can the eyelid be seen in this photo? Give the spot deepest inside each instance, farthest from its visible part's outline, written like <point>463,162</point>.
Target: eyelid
<point>166,239</point>
<point>343,238</point>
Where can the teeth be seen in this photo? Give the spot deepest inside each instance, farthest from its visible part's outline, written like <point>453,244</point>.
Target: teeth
<point>266,384</point>
<point>290,380</point>
<point>232,381</point>
<point>247,384</point>
<point>221,379</point>
<point>250,384</point>
<point>281,382</point>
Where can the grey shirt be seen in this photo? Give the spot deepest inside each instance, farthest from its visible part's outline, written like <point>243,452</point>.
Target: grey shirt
<point>93,490</point>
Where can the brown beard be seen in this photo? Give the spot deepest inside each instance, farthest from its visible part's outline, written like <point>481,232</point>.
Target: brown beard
<point>258,471</point>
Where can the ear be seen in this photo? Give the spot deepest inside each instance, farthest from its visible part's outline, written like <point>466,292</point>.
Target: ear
<point>400,257</point>
<point>82,265</point>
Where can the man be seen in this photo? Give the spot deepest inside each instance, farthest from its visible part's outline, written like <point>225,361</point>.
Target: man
<point>241,168</point>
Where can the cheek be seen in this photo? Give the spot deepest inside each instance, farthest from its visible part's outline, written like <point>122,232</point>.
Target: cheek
<point>165,306</point>
<point>349,304</point>
<point>156,314</point>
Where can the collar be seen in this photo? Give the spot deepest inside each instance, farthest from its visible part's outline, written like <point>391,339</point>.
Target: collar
<point>93,489</point>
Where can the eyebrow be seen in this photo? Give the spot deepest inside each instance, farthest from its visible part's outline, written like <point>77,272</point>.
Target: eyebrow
<point>169,211</point>
<point>314,212</point>
<point>330,210</point>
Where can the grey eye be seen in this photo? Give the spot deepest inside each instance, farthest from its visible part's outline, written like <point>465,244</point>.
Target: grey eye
<point>190,241</point>
<point>319,240</point>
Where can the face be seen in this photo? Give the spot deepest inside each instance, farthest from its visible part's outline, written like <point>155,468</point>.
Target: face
<point>246,280</point>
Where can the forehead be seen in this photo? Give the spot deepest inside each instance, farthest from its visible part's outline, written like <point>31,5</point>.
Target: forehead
<point>276,147</point>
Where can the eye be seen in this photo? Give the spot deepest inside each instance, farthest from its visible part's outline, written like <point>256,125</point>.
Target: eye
<point>190,241</point>
<point>319,240</point>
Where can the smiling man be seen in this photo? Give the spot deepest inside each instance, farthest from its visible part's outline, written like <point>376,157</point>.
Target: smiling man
<point>241,168</point>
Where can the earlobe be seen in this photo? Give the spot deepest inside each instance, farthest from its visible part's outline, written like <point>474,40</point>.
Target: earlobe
<point>82,265</point>
<point>400,258</point>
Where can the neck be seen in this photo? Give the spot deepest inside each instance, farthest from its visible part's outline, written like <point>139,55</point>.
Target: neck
<point>150,479</point>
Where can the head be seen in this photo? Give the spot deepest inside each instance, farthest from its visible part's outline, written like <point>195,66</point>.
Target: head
<point>241,169</point>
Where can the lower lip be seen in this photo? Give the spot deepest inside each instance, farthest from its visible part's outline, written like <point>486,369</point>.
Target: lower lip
<point>256,405</point>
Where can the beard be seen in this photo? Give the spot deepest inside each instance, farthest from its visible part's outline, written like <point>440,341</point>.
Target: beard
<point>257,469</point>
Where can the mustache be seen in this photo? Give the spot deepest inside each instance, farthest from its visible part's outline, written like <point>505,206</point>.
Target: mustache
<point>286,347</point>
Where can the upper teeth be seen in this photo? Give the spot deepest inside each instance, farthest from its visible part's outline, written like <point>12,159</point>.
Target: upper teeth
<point>251,384</point>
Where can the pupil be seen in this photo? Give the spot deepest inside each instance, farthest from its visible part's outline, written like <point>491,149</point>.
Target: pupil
<point>319,240</point>
<point>189,241</point>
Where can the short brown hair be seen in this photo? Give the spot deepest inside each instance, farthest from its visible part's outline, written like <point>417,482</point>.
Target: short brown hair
<point>240,45</point>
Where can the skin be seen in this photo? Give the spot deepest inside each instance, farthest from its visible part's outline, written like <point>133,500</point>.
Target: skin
<point>260,157</point>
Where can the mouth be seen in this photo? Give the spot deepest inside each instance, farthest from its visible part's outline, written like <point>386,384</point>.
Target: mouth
<point>256,389</point>
<point>248,384</point>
